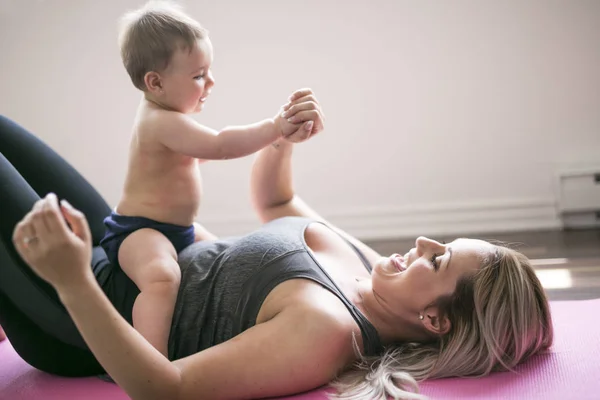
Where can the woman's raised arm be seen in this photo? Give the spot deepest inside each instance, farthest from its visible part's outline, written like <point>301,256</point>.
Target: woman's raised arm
<point>271,182</point>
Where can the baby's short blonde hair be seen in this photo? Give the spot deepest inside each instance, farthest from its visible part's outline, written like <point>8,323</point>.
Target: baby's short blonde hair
<point>150,35</point>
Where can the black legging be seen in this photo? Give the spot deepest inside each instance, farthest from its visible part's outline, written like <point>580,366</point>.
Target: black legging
<point>35,321</point>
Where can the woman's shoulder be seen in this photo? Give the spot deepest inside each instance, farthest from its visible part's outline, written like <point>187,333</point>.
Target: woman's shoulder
<point>330,322</point>
<point>322,313</point>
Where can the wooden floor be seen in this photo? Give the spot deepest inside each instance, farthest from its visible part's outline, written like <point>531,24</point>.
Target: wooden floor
<point>567,262</point>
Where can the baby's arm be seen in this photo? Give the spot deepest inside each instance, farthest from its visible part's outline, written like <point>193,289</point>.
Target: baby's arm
<point>183,135</point>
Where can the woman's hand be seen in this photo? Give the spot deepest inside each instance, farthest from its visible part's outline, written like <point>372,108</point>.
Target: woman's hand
<point>59,255</point>
<point>302,116</point>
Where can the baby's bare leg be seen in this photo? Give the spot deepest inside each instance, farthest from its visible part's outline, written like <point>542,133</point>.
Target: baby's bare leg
<point>2,334</point>
<point>201,233</point>
<point>150,260</point>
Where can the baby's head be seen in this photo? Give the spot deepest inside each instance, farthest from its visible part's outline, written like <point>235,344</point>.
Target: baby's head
<point>167,55</point>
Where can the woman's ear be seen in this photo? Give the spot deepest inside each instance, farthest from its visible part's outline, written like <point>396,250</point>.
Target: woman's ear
<point>153,83</point>
<point>434,323</point>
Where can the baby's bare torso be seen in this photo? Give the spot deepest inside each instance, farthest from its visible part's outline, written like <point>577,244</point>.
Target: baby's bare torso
<point>160,184</point>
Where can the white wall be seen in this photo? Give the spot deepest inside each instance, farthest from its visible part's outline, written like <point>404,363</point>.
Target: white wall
<point>442,117</point>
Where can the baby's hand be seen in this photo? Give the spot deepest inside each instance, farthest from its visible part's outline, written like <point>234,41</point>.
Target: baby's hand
<point>284,126</point>
<point>289,129</point>
<point>304,113</point>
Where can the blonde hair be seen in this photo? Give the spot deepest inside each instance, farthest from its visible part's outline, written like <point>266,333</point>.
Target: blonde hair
<point>500,317</point>
<point>150,35</point>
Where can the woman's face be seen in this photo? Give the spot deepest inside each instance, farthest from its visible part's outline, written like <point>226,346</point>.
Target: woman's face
<point>409,284</point>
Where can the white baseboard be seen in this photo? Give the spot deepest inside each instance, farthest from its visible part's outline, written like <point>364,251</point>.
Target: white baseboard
<point>383,222</point>
<point>450,219</point>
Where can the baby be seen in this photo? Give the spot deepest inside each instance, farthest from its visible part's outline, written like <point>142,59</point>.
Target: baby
<point>168,56</point>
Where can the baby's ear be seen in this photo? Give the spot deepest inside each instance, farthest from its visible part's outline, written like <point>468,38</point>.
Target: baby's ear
<point>153,82</point>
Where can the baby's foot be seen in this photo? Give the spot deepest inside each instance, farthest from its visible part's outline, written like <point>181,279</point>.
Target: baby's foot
<point>2,334</point>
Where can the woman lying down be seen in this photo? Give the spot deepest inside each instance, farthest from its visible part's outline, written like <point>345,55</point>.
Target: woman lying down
<point>294,305</point>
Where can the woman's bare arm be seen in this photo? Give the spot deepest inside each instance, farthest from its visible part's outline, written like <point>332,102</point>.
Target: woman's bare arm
<point>299,349</point>
<point>141,370</point>
<point>289,354</point>
<point>273,195</point>
<point>62,257</point>
<point>271,182</point>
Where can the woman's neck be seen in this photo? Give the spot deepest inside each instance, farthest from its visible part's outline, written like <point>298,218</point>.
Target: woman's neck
<point>393,326</point>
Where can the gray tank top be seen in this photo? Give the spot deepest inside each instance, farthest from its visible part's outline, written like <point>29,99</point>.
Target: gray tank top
<point>225,282</point>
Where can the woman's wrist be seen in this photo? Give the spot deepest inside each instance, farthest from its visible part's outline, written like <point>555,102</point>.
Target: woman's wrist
<point>76,287</point>
<point>282,144</point>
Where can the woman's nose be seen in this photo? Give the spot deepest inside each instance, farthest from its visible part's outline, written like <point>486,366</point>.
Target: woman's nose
<point>423,244</point>
<point>420,245</point>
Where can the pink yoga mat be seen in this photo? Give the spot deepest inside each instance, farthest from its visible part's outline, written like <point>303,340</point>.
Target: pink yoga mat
<point>571,370</point>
